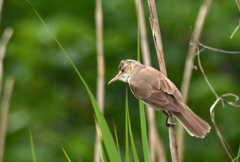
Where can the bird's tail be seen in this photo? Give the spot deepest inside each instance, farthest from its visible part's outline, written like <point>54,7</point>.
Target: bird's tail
<point>193,124</point>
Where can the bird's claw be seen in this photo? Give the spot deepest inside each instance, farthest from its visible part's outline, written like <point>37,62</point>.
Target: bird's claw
<point>170,124</point>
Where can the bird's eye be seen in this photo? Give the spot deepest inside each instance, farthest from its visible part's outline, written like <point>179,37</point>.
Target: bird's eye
<point>122,70</point>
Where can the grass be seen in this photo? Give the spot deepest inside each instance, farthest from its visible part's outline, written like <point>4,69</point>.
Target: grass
<point>113,150</point>
<point>65,153</point>
<point>129,132</point>
<point>32,146</point>
<point>146,152</point>
<point>238,156</point>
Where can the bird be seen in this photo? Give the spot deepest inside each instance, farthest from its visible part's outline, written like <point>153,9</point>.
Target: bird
<point>153,88</point>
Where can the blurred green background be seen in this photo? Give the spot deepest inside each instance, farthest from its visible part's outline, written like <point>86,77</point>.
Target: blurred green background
<point>49,98</point>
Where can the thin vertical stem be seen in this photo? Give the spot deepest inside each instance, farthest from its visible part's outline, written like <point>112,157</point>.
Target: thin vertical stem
<point>188,67</point>
<point>4,113</point>
<point>159,48</point>
<point>7,92</point>
<point>1,4</point>
<point>157,35</point>
<point>100,67</point>
<point>155,143</point>
<point>100,57</point>
<point>7,34</point>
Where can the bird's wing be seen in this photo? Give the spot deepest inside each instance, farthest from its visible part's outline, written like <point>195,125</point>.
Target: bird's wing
<point>158,91</point>
<point>159,100</point>
<point>168,87</point>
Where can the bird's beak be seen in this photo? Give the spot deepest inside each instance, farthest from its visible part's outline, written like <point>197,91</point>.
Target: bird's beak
<point>116,77</point>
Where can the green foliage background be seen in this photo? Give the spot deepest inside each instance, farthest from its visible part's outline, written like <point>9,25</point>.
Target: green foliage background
<point>49,98</point>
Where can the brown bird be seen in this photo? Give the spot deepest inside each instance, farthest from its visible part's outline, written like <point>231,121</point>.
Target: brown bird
<point>158,92</point>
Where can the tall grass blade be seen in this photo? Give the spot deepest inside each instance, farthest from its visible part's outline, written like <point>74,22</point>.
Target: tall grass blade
<point>107,137</point>
<point>146,152</point>
<point>116,138</point>
<point>145,144</point>
<point>128,125</point>
<point>134,150</point>
<point>127,159</point>
<point>32,146</point>
<point>102,153</point>
<point>238,156</point>
<point>65,153</point>
<point>100,143</point>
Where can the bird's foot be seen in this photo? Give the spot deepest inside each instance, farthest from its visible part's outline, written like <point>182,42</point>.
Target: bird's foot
<point>169,121</point>
<point>168,124</point>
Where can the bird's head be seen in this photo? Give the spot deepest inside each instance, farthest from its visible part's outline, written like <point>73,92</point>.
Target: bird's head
<point>125,70</point>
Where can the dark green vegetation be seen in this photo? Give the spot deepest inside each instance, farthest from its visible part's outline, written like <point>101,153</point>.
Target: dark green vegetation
<point>49,98</point>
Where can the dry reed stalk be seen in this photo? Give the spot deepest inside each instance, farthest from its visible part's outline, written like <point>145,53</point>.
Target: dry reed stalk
<point>7,91</point>
<point>155,144</point>
<point>159,49</point>
<point>4,113</point>
<point>188,67</point>
<point>100,68</point>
